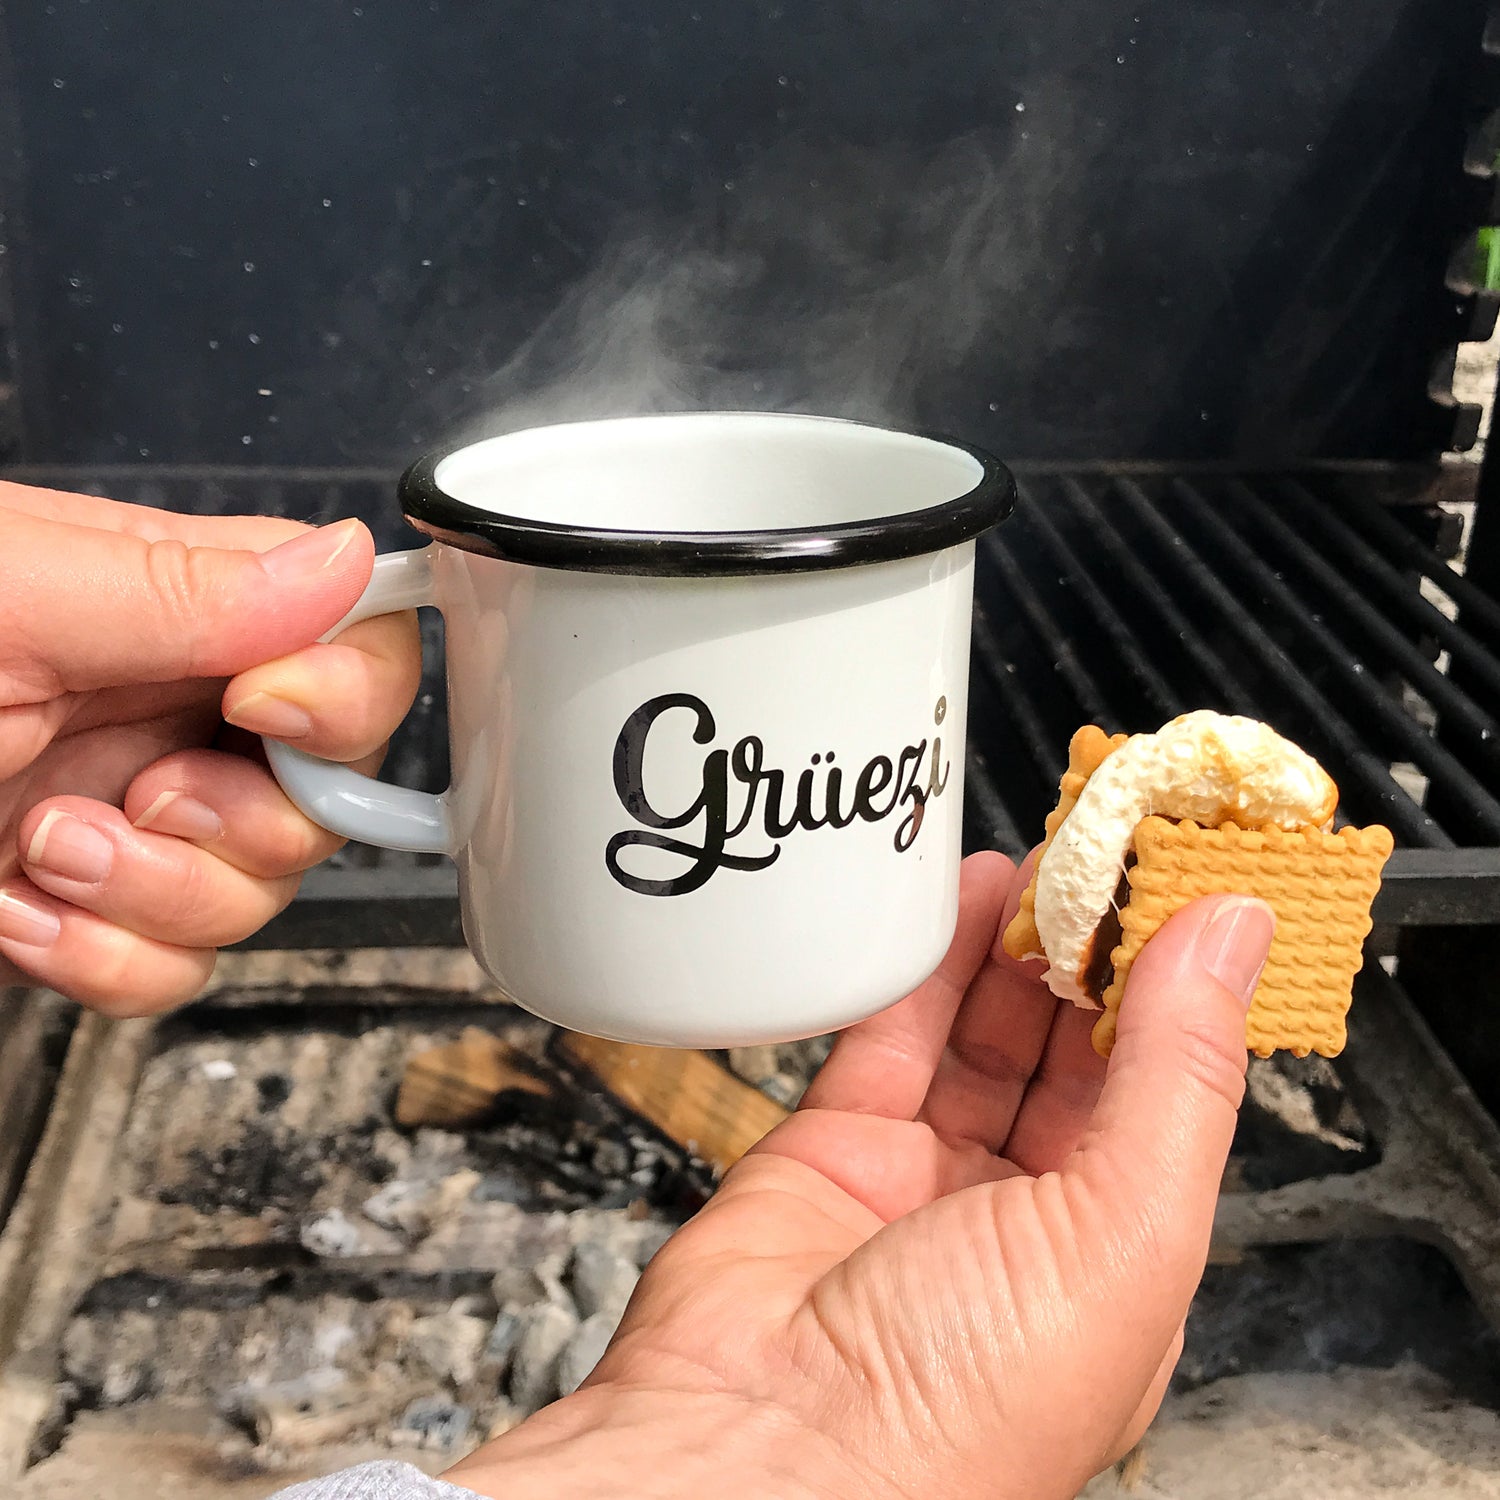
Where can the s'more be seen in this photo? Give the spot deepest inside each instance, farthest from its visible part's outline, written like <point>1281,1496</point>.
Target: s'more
<point>1209,804</point>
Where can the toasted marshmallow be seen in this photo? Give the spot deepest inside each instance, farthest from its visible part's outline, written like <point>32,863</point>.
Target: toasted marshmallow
<point>1204,766</point>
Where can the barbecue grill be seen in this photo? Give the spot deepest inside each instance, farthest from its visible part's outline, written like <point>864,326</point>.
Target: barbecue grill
<point>1198,273</point>
<point>1218,346</point>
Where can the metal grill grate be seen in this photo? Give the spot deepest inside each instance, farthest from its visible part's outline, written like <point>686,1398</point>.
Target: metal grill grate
<point>1127,599</point>
<point>1121,598</point>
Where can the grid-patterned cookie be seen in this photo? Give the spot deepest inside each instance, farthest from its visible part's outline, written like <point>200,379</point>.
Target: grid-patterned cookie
<point>1320,885</point>
<point>1087,751</point>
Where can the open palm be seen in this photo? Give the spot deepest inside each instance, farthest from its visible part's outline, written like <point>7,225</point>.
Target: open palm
<point>961,1268</point>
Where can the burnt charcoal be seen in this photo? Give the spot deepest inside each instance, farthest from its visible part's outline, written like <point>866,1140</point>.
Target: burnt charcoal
<point>601,1280</point>
<point>400,1205</point>
<point>585,1350</point>
<point>390,1264</point>
<point>612,1159</point>
<point>359,1151</point>
<point>620,1197</point>
<point>548,1162</point>
<point>1298,1122</point>
<point>265,1168</point>
<point>546,1332</point>
<point>500,1343</point>
<point>781,1072</point>
<point>681,1191</point>
<point>254,1406</point>
<point>235,1291</point>
<point>574,1150</point>
<point>518,1287</point>
<point>269,1169</point>
<point>449,1344</point>
<point>111,1365</point>
<point>333,1235</point>
<point>534,1258</point>
<point>1343,1302</point>
<point>52,1425</point>
<point>498,1417</point>
<point>653,1237</point>
<point>272,1091</point>
<point>433,1422</point>
<point>514,1182</point>
<point>416,1207</point>
<point>139,1289</point>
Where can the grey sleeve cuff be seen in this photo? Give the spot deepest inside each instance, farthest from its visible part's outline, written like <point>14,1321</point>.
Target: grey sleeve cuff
<point>382,1481</point>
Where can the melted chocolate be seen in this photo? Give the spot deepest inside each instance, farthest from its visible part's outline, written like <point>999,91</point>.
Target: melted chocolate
<point>1099,969</point>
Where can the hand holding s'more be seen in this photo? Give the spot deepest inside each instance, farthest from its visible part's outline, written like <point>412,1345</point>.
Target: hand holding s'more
<point>1208,805</point>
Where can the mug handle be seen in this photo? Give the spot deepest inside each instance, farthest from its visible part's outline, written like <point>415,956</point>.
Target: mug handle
<point>347,802</point>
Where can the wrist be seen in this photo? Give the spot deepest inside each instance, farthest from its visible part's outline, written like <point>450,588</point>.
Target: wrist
<point>645,1443</point>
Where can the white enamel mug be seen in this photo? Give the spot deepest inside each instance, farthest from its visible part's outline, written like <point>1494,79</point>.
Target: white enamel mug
<point>707,683</point>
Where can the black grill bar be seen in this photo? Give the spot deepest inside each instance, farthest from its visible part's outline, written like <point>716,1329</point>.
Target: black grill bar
<point>1440,888</point>
<point>1370,520</point>
<point>1361,685</point>
<point>389,906</point>
<point>1028,598</point>
<point>985,808</point>
<point>1213,672</point>
<point>1459,710</point>
<point>1164,700</point>
<point>1360,564</point>
<point>1009,688</point>
<point>1339,741</point>
<point>416,906</point>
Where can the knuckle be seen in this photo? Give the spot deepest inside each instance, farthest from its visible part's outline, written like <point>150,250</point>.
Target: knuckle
<point>113,987</point>
<point>131,978</point>
<point>194,906</point>
<point>195,897</point>
<point>182,586</point>
<point>1211,1062</point>
<point>279,895</point>
<point>169,575</point>
<point>271,897</point>
<point>292,844</point>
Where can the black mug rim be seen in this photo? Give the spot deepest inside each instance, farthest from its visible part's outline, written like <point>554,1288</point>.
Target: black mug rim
<point>704,554</point>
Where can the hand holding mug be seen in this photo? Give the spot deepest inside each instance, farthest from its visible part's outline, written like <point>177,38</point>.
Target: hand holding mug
<point>137,833</point>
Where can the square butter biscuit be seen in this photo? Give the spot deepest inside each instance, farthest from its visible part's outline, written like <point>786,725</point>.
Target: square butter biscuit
<point>1320,885</point>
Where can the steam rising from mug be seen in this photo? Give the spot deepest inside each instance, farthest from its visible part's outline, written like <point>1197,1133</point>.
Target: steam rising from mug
<point>850,281</point>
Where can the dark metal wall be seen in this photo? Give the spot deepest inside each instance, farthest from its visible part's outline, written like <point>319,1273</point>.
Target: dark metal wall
<point>306,234</point>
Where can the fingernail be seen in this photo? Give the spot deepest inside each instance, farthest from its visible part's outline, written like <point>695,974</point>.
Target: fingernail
<point>22,921</point>
<point>309,553</point>
<point>261,713</point>
<point>182,817</point>
<point>67,846</point>
<point>1235,943</point>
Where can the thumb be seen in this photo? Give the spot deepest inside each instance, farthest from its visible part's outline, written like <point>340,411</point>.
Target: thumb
<point>92,608</point>
<point>1166,1116</point>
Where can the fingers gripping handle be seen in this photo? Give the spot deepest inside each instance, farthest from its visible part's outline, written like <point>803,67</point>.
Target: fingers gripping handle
<point>344,801</point>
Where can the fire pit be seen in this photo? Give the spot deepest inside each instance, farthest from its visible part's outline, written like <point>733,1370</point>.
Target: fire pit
<point>230,1242</point>
<point>264,1242</point>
